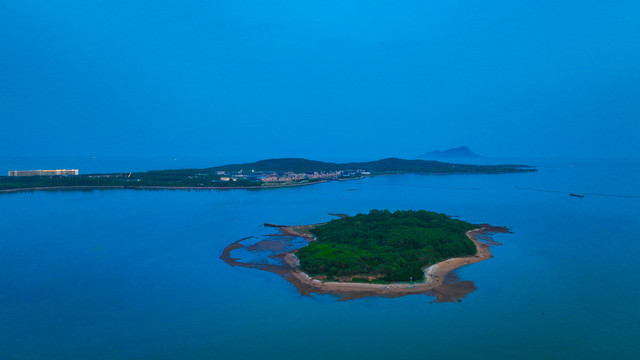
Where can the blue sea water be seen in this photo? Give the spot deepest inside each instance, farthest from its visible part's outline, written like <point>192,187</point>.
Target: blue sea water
<point>125,274</point>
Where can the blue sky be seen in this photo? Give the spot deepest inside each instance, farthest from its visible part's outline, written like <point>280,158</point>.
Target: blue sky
<point>320,79</point>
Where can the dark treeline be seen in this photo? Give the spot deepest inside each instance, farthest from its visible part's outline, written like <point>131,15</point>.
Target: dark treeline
<point>389,165</point>
<point>389,246</point>
<point>167,178</point>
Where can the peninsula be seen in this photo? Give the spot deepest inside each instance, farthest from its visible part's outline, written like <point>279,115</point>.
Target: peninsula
<point>257,175</point>
<point>381,253</point>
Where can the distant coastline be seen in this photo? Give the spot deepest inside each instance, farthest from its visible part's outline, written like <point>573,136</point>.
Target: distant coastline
<point>91,187</point>
<point>264,174</point>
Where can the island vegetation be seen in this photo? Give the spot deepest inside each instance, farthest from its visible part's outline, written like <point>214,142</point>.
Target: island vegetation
<point>384,246</point>
<point>260,174</point>
<point>377,254</point>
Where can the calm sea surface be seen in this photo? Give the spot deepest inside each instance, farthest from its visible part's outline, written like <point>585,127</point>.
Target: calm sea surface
<point>125,274</point>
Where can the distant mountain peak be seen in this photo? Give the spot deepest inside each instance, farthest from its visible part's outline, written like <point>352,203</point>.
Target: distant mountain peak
<point>459,152</point>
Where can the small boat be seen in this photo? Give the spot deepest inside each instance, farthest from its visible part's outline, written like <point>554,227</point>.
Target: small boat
<point>577,195</point>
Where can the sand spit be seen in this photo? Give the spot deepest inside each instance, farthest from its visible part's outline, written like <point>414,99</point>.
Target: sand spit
<point>439,280</point>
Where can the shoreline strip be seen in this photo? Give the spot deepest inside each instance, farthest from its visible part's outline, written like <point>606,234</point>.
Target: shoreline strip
<point>125,187</point>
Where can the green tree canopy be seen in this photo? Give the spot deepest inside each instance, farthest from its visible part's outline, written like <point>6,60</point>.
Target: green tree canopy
<point>392,246</point>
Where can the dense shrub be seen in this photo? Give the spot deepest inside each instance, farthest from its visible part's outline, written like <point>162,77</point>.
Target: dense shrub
<point>393,246</point>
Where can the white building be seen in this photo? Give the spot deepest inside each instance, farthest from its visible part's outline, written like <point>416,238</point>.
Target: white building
<point>43,172</point>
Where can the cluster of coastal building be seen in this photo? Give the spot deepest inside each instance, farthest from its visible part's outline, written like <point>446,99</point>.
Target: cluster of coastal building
<point>269,176</point>
<point>43,172</point>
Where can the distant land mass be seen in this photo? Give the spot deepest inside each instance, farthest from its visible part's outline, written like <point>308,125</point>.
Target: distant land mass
<point>459,152</point>
<point>260,174</point>
<point>389,165</point>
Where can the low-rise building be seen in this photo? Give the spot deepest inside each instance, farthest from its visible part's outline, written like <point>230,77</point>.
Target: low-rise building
<point>43,172</point>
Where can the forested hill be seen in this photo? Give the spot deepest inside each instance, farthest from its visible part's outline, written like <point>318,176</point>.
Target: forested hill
<point>281,165</point>
<point>379,166</point>
<point>384,245</point>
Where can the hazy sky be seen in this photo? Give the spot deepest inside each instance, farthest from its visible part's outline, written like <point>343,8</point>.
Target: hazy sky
<point>320,78</point>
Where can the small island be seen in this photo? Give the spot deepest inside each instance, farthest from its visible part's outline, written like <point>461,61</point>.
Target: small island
<point>459,152</point>
<point>381,253</point>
